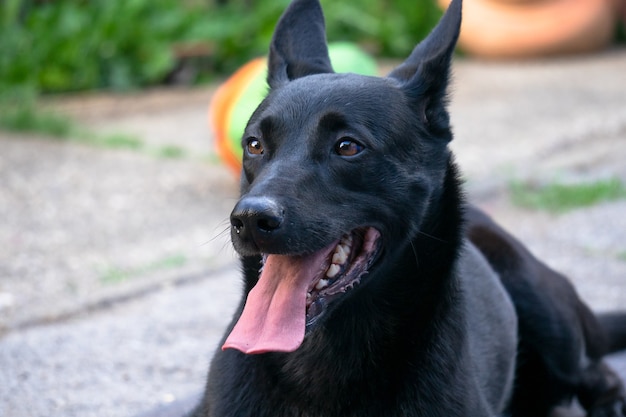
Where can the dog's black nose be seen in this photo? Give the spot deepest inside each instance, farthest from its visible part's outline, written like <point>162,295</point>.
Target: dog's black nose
<point>256,218</point>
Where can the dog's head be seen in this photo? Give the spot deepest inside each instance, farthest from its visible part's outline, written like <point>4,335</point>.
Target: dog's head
<point>338,171</point>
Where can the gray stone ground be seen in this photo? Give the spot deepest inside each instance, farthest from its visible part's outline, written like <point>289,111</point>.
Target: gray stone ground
<point>116,275</point>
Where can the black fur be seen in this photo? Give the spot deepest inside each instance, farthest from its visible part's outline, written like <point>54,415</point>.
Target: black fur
<point>556,329</point>
<point>402,342</point>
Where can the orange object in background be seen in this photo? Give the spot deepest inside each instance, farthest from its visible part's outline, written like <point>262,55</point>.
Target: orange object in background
<point>530,28</point>
<point>221,108</point>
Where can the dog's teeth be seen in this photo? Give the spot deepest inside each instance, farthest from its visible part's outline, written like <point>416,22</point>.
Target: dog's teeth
<point>321,284</point>
<point>340,256</point>
<point>333,270</point>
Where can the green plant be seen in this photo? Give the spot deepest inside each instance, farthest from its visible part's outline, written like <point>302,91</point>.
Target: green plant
<point>239,30</point>
<point>25,118</point>
<point>559,197</point>
<point>17,110</point>
<point>243,29</point>
<point>70,45</point>
<point>386,28</point>
<point>20,113</point>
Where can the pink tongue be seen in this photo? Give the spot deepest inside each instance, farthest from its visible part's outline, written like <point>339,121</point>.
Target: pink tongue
<point>273,319</point>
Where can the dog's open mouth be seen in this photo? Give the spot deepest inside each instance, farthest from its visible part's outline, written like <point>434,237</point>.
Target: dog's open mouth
<point>349,261</point>
<point>294,291</point>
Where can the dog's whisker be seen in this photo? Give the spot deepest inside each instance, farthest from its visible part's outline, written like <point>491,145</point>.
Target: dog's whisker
<point>225,231</point>
<point>417,260</point>
<point>432,237</point>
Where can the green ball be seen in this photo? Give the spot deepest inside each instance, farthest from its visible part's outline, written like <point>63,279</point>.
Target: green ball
<point>348,57</point>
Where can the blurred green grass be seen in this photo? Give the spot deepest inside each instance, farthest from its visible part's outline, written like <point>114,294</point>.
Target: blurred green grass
<point>559,197</point>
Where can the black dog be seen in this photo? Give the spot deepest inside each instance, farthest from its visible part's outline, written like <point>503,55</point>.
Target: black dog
<point>371,289</point>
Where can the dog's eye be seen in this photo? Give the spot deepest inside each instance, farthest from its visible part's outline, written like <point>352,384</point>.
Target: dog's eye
<point>347,147</point>
<point>254,146</point>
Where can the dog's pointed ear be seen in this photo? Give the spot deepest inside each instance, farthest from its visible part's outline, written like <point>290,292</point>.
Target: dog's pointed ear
<point>298,46</point>
<point>425,73</point>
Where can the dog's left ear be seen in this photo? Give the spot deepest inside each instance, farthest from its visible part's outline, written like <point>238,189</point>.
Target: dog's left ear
<point>298,46</point>
<point>425,73</point>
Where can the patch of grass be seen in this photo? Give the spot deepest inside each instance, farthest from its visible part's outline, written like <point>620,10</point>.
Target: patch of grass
<point>560,197</point>
<point>120,140</point>
<point>25,118</point>
<point>171,152</point>
<point>115,275</point>
<point>622,256</point>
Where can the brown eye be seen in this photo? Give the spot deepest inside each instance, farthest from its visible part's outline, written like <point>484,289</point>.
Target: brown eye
<point>347,147</point>
<point>254,146</point>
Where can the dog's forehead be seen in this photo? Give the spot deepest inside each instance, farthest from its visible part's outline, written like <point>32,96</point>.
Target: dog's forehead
<point>346,93</point>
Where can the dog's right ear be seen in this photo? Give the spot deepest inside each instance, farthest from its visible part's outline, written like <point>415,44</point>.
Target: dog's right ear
<point>298,46</point>
<point>424,75</point>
